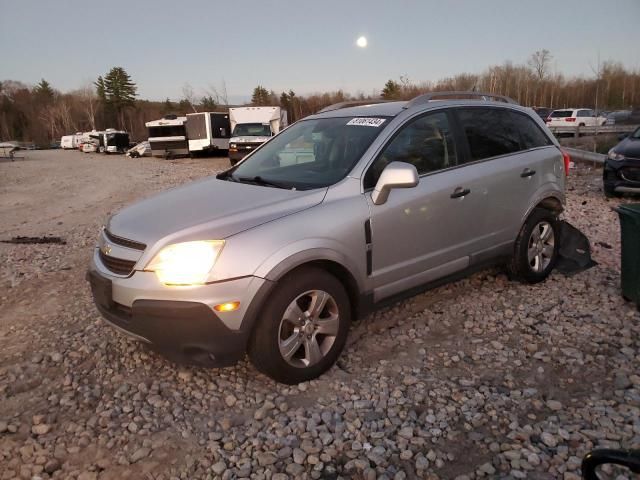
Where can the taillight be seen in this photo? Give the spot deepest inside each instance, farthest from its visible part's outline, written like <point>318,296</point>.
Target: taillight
<point>567,162</point>
<point>570,119</point>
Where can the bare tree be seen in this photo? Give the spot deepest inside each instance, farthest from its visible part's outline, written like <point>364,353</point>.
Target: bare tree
<point>189,96</point>
<point>220,95</point>
<point>89,102</point>
<point>540,62</point>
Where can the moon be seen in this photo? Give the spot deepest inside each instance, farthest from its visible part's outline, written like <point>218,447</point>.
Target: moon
<point>361,42</point>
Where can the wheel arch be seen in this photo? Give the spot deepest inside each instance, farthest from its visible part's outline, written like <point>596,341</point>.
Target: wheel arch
<point>330,261</point>
<point>552,201</point>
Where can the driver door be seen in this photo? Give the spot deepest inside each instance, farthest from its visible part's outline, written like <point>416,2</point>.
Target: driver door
<point>427,232</point>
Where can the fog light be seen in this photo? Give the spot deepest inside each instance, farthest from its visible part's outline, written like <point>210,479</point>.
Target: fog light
<point>227,307</point>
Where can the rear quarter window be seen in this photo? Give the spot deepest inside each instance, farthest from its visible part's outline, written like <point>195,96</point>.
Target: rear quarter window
<point>561,113</point>
<point>531,135</point>
<point>489,132</point>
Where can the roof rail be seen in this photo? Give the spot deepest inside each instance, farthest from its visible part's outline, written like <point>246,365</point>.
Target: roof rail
<point>351,103</point>
<point>427,97</point>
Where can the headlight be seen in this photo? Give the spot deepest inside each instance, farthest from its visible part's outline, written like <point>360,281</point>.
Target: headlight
<point>613,155</point>
<point>187,263</point>
<point>232,145</point>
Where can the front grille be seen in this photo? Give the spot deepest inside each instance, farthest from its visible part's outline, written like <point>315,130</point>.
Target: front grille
<point>118,266</point>
<point>247,146</point>
<point>123,241</point>
<point>631,174</point>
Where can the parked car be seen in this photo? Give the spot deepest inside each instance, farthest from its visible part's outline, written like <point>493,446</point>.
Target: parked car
<point>621,172</point>
<point>543,112</point>
<point>277,255</point>
<point>142,149</point>
<point>624,117</point>
<point>89,147</point>
<point>572,117</point>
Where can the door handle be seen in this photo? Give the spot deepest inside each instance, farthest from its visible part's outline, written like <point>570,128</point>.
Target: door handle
<point>460,192</point>
<point>527,172</point>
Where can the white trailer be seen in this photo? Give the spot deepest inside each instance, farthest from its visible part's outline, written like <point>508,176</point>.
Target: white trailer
<point>251,127</point>
<point>68,142</point>
<point>208,132</point>
<point>168,137</point>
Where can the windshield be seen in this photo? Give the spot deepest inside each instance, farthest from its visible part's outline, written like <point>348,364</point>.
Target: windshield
<point>636,134</point>
<point>311,153</point>
<point>252,130</point>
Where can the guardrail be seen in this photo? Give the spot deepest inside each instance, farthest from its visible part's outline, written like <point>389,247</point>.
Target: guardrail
<point>595,130</point>
<point>578,155</point>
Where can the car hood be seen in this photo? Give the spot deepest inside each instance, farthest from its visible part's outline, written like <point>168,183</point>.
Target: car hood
<point>212,207</point>
<point>629,147</point>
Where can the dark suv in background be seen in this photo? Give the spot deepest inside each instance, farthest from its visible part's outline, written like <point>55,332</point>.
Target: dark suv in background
<point>622,167</point>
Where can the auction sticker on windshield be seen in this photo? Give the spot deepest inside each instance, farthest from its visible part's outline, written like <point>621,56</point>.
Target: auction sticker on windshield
<point>366,122</point>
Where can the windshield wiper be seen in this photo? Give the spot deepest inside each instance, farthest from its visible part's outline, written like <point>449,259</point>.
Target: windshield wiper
<point>258,180</point>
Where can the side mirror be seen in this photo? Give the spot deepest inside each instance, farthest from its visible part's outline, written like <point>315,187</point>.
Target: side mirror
<point>395,175</point>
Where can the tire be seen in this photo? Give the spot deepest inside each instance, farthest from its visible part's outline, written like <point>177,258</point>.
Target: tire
<point>545,252</point>
<point>273,333</point>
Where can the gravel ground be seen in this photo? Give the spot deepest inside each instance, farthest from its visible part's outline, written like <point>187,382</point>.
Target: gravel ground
<point>482,378</point>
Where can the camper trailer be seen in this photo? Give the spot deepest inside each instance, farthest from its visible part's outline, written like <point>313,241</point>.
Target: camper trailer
<point>68,142</point>
<point>251,127</point>
<point>208,132</point>
<point>168,136</point>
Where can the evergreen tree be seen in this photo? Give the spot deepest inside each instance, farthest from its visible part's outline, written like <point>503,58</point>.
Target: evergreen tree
<point>208,103</point>
<point>184,106</point>
<point>118,90</point>
<point>391,90</point>
<point>43,92</point>
<point>260,96</point>
<point>100,89</point>
<point>167,106</point>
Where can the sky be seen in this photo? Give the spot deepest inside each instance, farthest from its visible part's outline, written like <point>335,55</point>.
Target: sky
<point>307,46</point>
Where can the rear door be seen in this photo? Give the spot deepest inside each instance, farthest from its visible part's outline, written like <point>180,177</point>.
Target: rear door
<point>512,157</point>
<point>423,233</point>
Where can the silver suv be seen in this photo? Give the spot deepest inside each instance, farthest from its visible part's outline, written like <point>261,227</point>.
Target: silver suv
<point>340,212</point>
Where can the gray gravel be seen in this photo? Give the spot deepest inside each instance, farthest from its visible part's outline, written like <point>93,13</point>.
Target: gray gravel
<point>482,378</point>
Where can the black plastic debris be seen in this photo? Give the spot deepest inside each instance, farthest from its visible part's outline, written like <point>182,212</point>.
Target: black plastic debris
<point>574,255</point>
<point>36,240</point>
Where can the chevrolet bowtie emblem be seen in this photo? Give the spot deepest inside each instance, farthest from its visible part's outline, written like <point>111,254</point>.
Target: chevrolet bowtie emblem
<point>106,249</point>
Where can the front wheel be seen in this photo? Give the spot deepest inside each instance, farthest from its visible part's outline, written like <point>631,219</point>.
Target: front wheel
<point>536,248</point>
<point>303,327</point>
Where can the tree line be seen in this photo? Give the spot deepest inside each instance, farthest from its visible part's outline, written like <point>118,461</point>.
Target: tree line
<point>43,114</point>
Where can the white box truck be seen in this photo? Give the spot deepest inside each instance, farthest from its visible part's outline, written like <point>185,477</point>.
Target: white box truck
<point>208,132</point>
<point>251,127</point>
<point>168,137</point>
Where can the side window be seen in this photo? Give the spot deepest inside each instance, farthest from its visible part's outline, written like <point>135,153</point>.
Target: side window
<point>582,113</point>
<point>426,142</point>
<point>531,135</point>
<point>489,132</point>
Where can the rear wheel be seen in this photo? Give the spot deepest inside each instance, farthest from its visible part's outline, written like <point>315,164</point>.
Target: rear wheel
<point>302,328</point>
<point>536,248</point>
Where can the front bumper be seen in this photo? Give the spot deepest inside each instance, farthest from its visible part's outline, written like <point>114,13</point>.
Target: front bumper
<point>179,322</point>
<point>621,176</point>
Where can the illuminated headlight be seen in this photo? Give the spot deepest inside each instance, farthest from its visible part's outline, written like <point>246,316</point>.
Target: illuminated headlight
<point>613,155</point>
<point>233,145</point>
<point>187,263</point>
